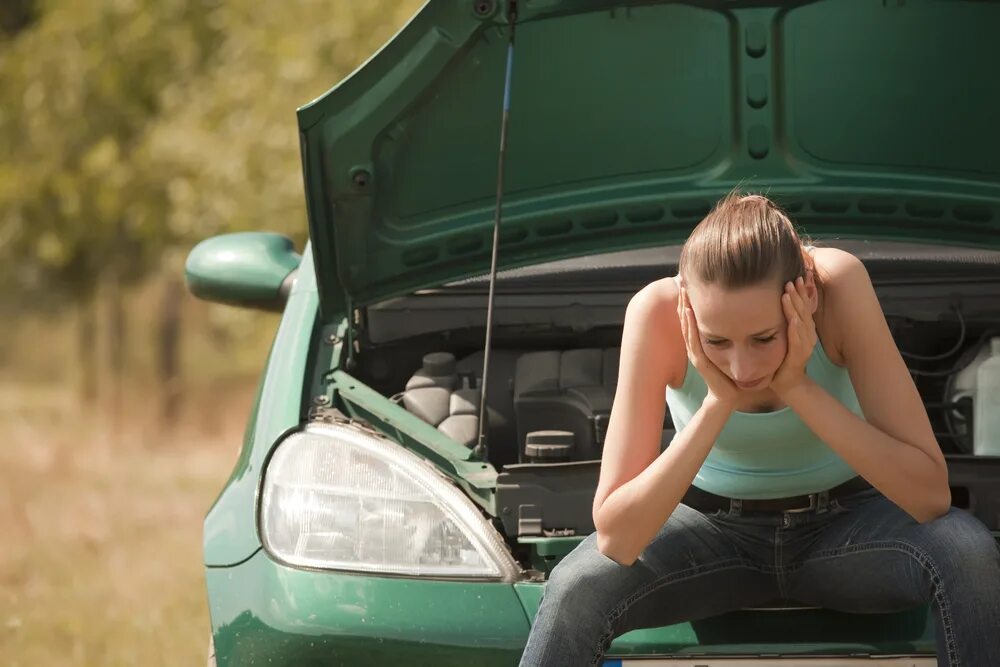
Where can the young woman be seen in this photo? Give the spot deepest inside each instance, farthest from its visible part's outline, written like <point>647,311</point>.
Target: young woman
<point>804,466</point>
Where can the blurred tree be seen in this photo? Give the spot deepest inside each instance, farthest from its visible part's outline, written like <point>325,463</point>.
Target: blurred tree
<point>131,129</point>
<point>15,16</point>
<point>81,86</point>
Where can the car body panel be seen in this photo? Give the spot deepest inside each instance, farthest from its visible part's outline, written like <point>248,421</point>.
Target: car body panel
<point>267,613</point>
<point>629,122</point>
<point>230,534</point>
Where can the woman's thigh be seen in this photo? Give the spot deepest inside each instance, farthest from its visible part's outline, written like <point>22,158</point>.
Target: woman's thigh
<point>691,569</point>
<point>873,557</point>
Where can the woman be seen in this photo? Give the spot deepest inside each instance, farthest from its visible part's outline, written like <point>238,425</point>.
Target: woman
<point>804,466</point>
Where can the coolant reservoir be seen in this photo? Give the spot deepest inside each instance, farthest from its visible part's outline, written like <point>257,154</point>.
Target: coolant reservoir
<point>986,422</point>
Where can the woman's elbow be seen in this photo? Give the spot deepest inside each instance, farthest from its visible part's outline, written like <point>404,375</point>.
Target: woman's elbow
<point>939,510</point>
<point>611,550</point>
<point>940,507</point>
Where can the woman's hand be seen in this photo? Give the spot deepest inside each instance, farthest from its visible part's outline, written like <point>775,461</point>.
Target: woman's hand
<point>719,385</point>
<point>801,338</point>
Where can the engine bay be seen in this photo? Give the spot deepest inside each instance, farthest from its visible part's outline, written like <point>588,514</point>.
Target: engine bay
<point>553,372</point>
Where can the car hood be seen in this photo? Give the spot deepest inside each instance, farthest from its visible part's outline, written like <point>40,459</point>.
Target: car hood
<point>629,120</point>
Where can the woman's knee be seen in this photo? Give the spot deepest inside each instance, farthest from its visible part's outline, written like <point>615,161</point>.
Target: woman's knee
<point>957,542</point>
<point>588,578</point>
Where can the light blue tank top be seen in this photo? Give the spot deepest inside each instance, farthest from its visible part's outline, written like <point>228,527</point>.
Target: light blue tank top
<point>768,454</point>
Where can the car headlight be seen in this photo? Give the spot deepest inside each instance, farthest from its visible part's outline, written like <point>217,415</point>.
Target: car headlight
<point>341,498</point>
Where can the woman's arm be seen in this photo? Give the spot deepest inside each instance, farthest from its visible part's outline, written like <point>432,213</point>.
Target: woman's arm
<point>639,487</point>
<point>893,447</point>
<point>630,517</point>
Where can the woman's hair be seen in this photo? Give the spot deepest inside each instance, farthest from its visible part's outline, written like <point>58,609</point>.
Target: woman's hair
<point>745,240</point>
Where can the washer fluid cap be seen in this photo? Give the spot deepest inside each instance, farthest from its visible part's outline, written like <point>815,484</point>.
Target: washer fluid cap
<point>547,445</point>
<point>439,364</point>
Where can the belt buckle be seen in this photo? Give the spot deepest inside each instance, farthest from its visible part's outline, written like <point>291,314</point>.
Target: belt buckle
<point>812,505</point>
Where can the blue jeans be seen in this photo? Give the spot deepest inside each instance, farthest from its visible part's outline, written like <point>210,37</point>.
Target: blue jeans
<point>861,553</point>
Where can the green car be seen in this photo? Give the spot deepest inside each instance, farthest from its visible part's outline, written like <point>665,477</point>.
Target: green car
<point>372,517</point>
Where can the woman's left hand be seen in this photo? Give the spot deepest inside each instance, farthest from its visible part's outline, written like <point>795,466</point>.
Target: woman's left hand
<point>801,337</point>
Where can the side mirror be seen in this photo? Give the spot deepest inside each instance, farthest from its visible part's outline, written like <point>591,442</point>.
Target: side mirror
<point>249,269</point>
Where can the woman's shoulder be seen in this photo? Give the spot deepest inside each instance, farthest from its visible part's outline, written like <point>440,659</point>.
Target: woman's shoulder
<point>656,303</point>
<point>651,316</point>
<point>840,274</point>
<point>834,263</point>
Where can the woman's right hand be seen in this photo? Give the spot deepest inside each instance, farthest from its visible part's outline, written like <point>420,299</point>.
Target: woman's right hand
<point>720,387</point>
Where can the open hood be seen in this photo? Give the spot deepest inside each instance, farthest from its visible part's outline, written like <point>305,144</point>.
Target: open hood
<point>629,120</point>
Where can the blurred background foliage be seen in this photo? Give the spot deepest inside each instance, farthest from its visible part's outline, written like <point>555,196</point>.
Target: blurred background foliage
<point>129,131</point>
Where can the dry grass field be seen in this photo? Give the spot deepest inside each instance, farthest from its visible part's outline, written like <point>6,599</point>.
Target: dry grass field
<point>100,559</point>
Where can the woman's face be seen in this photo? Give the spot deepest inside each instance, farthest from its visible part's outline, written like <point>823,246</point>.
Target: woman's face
<point>742,331</point>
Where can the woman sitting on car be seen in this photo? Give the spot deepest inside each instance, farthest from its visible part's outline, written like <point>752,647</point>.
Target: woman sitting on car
<point>804,466</point>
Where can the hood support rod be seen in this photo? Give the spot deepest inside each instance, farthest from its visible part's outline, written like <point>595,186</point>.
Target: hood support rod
<point>480,450</point>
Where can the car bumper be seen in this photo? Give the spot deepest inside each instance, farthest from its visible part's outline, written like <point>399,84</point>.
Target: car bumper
<point>267,613</point>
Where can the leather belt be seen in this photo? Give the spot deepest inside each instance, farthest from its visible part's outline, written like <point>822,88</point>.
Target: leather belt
<point>709,502</point>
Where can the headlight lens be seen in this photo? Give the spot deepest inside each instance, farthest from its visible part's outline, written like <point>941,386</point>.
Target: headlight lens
<point>340,498</point>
